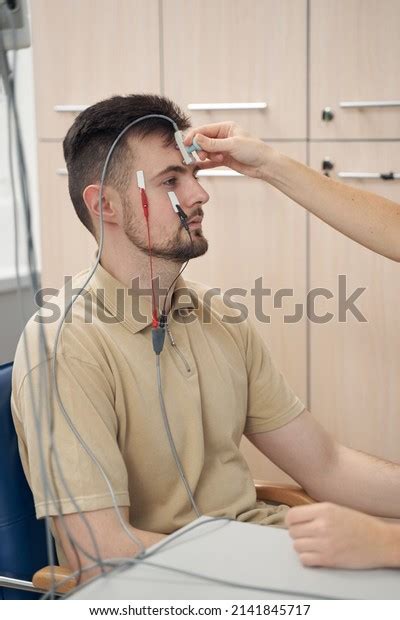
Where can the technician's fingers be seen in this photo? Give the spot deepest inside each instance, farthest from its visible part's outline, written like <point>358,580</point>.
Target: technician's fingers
<point>215,157</point>
<point>205,165</point>
<point>213,130</point>
<point>214,145</point>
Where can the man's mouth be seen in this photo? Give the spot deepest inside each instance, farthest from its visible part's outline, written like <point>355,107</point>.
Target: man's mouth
<point>195,222</point>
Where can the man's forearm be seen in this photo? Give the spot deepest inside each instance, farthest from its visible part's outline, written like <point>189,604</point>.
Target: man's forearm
<point>100,532</point>
<point>362,482</point>
<point>369,219</point>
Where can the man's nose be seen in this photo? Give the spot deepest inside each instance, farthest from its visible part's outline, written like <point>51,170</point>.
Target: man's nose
<point>199,195</point>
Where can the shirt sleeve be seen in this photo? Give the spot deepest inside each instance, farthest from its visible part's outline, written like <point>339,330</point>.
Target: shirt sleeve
<point>271,401</point>
<point>73,478</point>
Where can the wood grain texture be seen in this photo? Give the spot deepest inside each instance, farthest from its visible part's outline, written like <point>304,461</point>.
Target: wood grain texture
<point>66,246</point>
<point>355,366</point>
<point>354,55</point>
<point>88,50</point>
<point>222,51</point>
<point>256,232</point>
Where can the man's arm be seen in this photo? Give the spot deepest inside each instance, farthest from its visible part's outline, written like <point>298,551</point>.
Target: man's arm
<point>369,219</point>
<point>112,541</point>
<point>329,471</point>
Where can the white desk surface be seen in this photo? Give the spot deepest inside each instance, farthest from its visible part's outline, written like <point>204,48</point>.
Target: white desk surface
<point>259,557</point>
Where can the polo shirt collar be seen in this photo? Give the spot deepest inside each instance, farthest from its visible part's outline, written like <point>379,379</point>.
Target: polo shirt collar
<point>129,306</point>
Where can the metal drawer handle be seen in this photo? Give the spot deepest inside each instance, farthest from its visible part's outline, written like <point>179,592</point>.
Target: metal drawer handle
<point>70,108</point>
<point>258,105</point>
<point>218,173</point>
<point>385,176</point>
<point>370,104</point>
<point>62,172</point>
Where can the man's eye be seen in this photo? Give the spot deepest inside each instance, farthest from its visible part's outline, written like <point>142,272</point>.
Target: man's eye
<point>170,182</point>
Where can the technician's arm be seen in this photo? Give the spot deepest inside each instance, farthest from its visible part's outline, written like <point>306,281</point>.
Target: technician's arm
<point>329,471</point>
<point>369,219</point>
<point>112,540</point>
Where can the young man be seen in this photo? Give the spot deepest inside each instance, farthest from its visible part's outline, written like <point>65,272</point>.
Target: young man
<point>324,534</point>
<point>218,379</point>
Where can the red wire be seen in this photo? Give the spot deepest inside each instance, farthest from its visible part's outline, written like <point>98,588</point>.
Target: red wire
<point>145,206</point>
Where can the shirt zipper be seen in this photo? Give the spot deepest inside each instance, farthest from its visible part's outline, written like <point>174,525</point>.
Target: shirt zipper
<point>177,349</point>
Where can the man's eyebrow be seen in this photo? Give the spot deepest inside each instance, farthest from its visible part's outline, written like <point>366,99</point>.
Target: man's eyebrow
<point>176,169</point>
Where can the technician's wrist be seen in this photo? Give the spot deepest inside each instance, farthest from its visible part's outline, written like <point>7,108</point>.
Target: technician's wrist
<point>272,166</point>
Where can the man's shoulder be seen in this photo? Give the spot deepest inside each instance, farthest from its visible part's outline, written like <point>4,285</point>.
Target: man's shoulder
<point>37,341</point>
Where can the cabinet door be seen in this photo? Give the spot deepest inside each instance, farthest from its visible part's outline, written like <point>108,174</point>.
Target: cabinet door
<point>354,59</point>
<point>88,50</point>
<point>256,232</point>
<point>236,52</point>
<point>355,365</point>
<point>66,246</point>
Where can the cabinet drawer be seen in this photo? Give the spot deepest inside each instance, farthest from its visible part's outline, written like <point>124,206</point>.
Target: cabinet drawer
<point>355,365</point>
<point>354,73</point>
<point>66,246</point>
<point>253,232</point>
<point>239,56</point>
<point>88,50</point>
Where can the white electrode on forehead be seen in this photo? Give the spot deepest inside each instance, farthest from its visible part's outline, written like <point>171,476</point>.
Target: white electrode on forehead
<point>187,158</point>
<point>174,201</point>
<point>140,179</point>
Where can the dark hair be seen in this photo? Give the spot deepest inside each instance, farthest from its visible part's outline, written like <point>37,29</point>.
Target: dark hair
<point>89,139</point>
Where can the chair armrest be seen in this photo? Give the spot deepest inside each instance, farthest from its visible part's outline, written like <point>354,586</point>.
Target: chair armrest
<point>43,579</point>
<point>288,494</point>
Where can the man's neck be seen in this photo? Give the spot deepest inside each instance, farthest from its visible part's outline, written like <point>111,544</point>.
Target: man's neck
<point>129,264</point>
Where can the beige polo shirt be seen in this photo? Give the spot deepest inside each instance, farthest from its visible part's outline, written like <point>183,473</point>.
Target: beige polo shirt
<point>218,382</point>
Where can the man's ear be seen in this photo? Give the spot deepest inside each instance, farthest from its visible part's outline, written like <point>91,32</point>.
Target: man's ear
<point>91,198</point>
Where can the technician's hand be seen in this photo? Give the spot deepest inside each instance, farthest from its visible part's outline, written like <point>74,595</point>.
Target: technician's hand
<point>227,144</point>
<point>333,536</point>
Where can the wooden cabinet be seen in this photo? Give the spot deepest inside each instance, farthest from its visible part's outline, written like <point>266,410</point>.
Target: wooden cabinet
<point>229,52</point>
<point>355,365</point>
<point>88,50</point>
<point>256,232</point>
<point>354,57</point>
<point>241,52</point>
<point>67,247</point>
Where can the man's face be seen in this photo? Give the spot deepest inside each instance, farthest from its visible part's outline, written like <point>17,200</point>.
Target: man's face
<point>163,172</point>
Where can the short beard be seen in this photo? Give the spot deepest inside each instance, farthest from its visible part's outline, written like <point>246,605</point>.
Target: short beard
<point>179,249</point>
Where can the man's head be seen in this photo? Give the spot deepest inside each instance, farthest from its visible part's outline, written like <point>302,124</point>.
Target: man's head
<point>149,146</point>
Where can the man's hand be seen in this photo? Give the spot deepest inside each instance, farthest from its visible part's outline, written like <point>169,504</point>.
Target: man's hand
<point>227,144</point>
<point>333,536</point>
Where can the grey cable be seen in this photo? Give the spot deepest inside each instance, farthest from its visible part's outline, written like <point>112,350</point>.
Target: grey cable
<point>171,440</point>
<point>123,563</point>
<point>98,562</point>
<point>9,77</point>
<point>35,286</point>
<point>11,107</point>
<point>71,425</point>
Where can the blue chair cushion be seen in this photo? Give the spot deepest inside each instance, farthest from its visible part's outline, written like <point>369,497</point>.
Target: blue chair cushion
<point>22,537</point>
